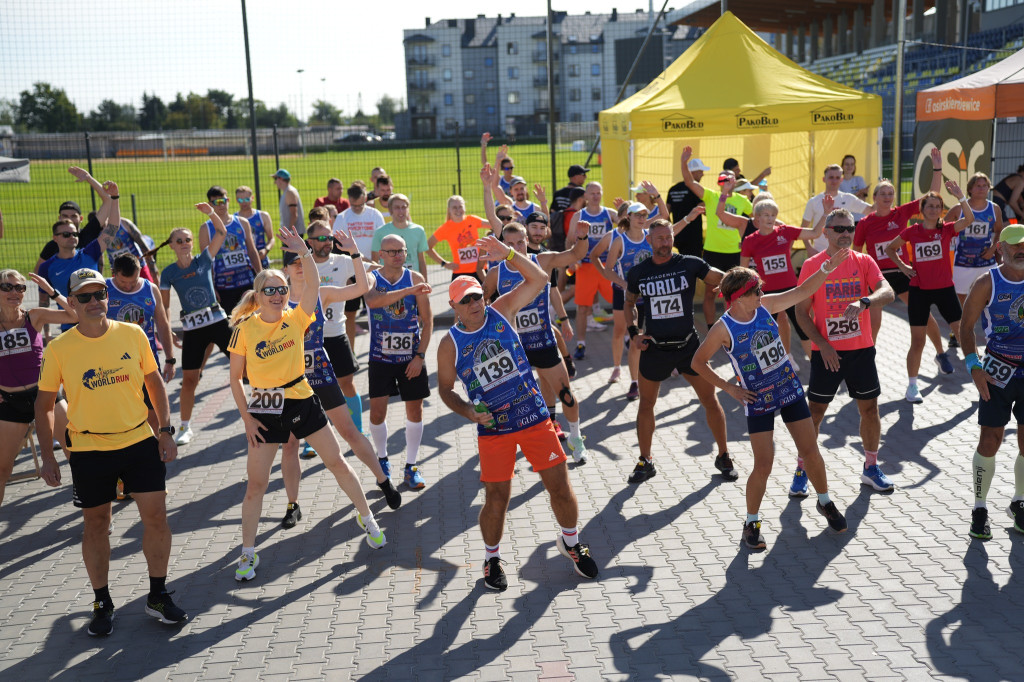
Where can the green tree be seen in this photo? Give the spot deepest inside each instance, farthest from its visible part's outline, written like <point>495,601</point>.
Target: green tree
<point>153,112</point>
<point>226,106</point>
<point>8,112</point>
<point>110,115</point>
<point>47,109</point>
<point>193,111</point>
<point>267,117</point>
<point>387,107</point>
<point>325,113</point>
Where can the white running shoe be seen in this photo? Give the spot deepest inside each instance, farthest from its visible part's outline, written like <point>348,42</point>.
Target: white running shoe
<point>186,436</point>
<point>578,450</point>
<point>376,540</point>
<point>914,394</point>
<point>247,567</point>
<point>595,326</point>
<point>616,372</point>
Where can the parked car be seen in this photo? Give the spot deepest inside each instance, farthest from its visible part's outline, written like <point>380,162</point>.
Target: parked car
<point>357,137</point>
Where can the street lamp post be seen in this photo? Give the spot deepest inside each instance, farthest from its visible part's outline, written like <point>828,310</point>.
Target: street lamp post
<point>300,72</point>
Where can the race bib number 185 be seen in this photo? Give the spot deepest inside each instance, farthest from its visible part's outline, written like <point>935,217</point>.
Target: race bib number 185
<point>14,341</point>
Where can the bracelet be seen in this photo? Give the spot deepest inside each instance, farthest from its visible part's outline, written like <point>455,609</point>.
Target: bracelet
<point>937,170</point>
<point>171,361</point>
<point>355,256</point>
<point>444,263</point>
<point>656,196</point>
<point>633,330</point>
<point>511,254</point>
<point>963,200</point>
<point>827,272</point>
<point>971,361</point>
<point>562,319</point>
<point>115,197</point>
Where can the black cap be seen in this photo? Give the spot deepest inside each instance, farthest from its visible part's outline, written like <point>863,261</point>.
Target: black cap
<point>290,258</point>
<point>70,206</point>
<point>730,163</point>
<point>577,169</point>
<point>536,217</point>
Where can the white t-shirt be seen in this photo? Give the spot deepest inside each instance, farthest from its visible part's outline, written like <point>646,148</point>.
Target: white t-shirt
<point>361,226</point>
<point>815,210</point>
<point>335,272</point>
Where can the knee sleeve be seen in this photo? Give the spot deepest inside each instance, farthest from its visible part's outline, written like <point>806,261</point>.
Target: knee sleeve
<point>566,396</point>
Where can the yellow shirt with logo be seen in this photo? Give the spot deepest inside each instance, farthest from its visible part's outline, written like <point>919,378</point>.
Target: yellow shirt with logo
<point>273,352</point>
<point>103,379</point>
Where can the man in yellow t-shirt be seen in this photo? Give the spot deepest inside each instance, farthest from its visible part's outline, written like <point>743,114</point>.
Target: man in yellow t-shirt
<point>105,366</point>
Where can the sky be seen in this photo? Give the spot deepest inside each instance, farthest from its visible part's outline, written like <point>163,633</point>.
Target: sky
<point>118,49</point>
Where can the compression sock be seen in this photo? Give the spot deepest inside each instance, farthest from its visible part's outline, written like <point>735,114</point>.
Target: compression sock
<point>379,433</point>
<point>984,469</point>
<point>870,458</point>
<point>355,410</point>
<point>413,437</point>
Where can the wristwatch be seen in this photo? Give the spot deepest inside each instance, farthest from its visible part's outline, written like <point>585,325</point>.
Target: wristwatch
<point>169,430</point>
<point>171,361</point>
<point>866,302</point>
<point>421,356</point>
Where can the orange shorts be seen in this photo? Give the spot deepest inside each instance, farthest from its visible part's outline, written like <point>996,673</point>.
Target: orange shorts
<point>589,283</point>
<point>498,453</point>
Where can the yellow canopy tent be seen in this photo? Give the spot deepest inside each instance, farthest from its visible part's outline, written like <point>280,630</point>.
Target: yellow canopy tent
<point>733,95</point>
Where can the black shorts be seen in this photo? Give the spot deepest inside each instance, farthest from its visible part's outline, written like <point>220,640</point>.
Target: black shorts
<point>793,412</point>
<point>722,261</point>
<point>899,282</point>
<point>543,358</point>
<point>300,417</point>
<point>229,298</point>
<point>656,364</point>
<point>1002,402</point>
<point>330,395</point>
<point>618,298</point>
<point>195,341</point>
<point>353,304</point>
<point>339,352</point>
<point>19,407</point>
<point>387,379</point>
<point>791,314</point>
<point>920,301</point>
<point>94,473</point>
<point>856,368</point>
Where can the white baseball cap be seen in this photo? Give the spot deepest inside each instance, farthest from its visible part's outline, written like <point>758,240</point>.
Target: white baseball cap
<point>697,165</point>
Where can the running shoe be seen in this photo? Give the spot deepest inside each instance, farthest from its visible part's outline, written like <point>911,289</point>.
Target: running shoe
<point>413,478</point>
<point>616,371</point>
<point>953,343</point>
<point>391,495</point>
<point>374,540</point>
<point>945,366</point>
<point>385,466</point>
<point>292,515</point>
<point>581,351</point>
<point>102,619</point>
<point>979,524</point>
<point>570,366</point>
<point>1016,512</point>
<point>578,450</point>
<point>562,435</point>
<point>873,476</point>
<point>634,391</point>
<point>836,520</point>
<point>307,451</point>
<point>799,486</point>
<point>579,554</point>
<point>643,471</point>
<point>724,464</point>
<point>595,326</point>
<point>752,537</point>
<point>164,610</point>
<point>247,567</point>
<point>185,436</point>
<point>914,394</point>
<point>494,575</point>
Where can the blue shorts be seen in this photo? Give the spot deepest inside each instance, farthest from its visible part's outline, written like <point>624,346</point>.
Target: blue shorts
<point>793,412</point>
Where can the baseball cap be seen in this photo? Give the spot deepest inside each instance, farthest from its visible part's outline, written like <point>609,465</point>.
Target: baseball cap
<point>577,169</point>
<point>743,186</point>
<point>463,285</point>
<point>283,174</point>
<point>575,193</point>
<point>537,217</point>
<point>517,180</point>
<point>1012,234</point>
<point>636,207</point>
<point>289,258</point>
<point>697,165</point>
<point>639,189</point>
<point>82,277</point>
<point>70,206</point>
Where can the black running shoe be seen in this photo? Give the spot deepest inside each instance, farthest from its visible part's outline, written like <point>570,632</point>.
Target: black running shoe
<point>164,610</point>
<point>979,524</point>
<point>953,343</point>
<point>494,575</point>
<point>292,516</point>
<point>836,521</point>
<point>724,464</point>
<point>391,495</point>
<point>752,537</point>
<point>1016,512</point>
<point>643,471</point>
<point>579,554</point>
<point>570,366</point>
<point>102,619</point>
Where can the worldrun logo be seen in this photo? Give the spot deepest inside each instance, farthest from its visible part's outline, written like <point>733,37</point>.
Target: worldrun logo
<point>99,377</point>
<point>755,119</point>
<point>266,349</point>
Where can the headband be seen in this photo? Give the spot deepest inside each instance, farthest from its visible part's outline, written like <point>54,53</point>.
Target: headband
<point>743,290</point>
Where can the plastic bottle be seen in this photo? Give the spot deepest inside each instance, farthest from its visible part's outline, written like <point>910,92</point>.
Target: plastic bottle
<point>762,186</point>
<point>480,406</point>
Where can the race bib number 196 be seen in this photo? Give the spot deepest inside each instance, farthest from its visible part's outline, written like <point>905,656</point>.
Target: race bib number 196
<point>771,356</point>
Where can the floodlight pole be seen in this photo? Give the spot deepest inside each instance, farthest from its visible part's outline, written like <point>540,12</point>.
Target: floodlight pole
<point>901,29</point>
<point>252,113</point>
<point>551,99</point>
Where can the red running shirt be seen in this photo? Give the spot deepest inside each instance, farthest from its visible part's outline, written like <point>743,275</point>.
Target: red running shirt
<point>854,278</point>
<point>930,250</point>
<point>770,255</point>
<point>877,232</point>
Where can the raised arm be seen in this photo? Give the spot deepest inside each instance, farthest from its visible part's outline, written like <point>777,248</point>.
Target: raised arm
<point>114,216</point>
<point>968,214</point>
<point>736,222</point>
<point>293,242</point>
<point>250,246</point>
<point>694,186</point>
<point>534,279</point>
<point>687,219</point>
<point>810,234</point>
<point>487,175</point>
<point>549,260</point>
<point>44,316</point>
<point>220,233</point>
<point>780,301</point>
<point>484,139</point>
<point>542,198</point>
<point>655,195</point>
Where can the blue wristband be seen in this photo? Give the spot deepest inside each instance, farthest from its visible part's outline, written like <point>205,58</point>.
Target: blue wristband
<point>971,361</point>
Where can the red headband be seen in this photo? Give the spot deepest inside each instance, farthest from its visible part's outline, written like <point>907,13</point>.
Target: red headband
<point>743,290</point>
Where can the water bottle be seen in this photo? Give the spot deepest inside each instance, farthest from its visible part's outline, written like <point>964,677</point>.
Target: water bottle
<point>480,406</point>
<point>762,186</point>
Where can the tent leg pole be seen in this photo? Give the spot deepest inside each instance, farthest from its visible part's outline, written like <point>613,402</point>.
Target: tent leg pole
<point>900,17</point>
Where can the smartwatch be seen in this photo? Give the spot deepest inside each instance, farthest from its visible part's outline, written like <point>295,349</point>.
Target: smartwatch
<point>421,356</point>
<point>171,361</point>
<point>169,430</point>
<point>866,302</point>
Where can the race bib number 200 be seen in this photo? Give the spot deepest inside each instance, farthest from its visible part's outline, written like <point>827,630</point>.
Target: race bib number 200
<point>266,400</point>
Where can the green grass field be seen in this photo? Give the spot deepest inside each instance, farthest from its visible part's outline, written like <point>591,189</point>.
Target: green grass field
<point>166,191</point>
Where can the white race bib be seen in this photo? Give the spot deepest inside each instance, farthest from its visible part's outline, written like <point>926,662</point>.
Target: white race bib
<point>664,307</point>
<point>774,264</point>
<point>927,251</point>
<point>1001,372</point>
<point>528,320</point>
<point>880,253</point>
<point>771,356</point>
<point>307,360</point>
<point>839,328</point>
<point>597,230</point>
<point>14,341</point>
<point>196,319</point>
<point>114,255</point>
<point>233,259</point>
<point>496,370</point>
<point>468,255</point>
<point>976,230</point>
<point>266,400</point>
<point>393,343</point>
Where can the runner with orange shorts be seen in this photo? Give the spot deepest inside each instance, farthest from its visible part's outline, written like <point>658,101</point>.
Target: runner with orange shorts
<point>599,220</point>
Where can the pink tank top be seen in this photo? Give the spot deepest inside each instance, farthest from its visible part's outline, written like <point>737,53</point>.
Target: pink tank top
<point>21,355</point>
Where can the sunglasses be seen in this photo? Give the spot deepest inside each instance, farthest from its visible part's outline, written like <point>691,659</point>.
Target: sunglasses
<point>270,291</point>
<point>186,240</point>
<point>470,298</point>
<point>393,252</point>
<point>505,168</point>
<point>843,228</point>
<point>322,238</point>
<point>67,235</point>
<point>505,218</point>
<point>8,287</point>
<point>244,200</point>
<point>100,295</point>
<point>220,202</point>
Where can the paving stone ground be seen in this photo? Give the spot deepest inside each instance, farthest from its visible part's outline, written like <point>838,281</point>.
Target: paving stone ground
<point>905,594</point>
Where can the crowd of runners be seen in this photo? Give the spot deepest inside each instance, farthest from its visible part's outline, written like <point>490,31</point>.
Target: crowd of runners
<point>96,389</point>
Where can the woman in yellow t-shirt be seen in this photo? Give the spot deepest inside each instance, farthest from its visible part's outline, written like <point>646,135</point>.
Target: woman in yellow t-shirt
<point>267,343</point>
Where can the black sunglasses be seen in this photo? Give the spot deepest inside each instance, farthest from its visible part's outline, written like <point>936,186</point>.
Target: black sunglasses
<point>7,287</point>
<point>67,234</point>
<point>270,291</point>
<point>100,295</point>
<point>322,238</point>
<point>470,298</point>
<point>505,218</point>
<point>843,228</point>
